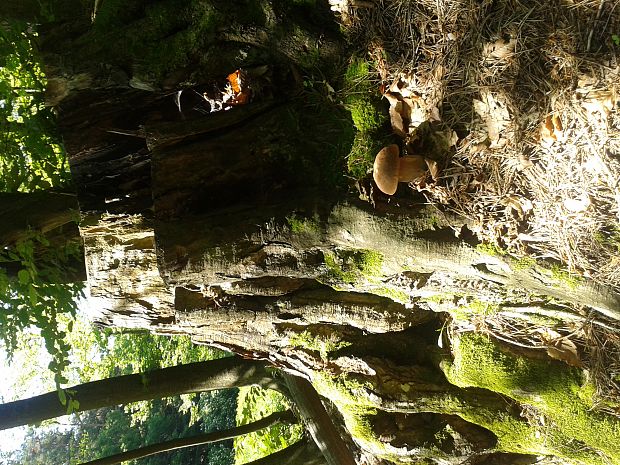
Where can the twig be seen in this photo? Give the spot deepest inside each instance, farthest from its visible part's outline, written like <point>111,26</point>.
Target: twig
<point>598,16</point>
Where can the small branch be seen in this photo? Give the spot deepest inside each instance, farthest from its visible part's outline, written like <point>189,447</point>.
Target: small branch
<point>598,16</point>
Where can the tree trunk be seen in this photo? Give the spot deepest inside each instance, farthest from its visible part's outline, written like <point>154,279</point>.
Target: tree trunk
<point>183,379</point>
<point>205,438</point>
<point>48,215</point>
<point>39,211</point>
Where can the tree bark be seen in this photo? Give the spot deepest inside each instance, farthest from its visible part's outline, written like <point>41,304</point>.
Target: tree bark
<point>183,379</point>
<point>38,211</point>
<point>318,422</point>
<point>303,452</point>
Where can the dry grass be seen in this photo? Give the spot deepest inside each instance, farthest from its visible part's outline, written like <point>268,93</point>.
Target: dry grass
<point>531,88</point>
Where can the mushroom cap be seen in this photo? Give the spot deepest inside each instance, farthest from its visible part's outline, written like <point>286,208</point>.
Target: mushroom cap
<point>385,169</point>
<point>411,167</point>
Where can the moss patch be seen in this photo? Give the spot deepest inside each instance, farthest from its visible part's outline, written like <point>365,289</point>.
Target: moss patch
<point>357,410</point>
<point>368,114</point>
<point>353,265</point>
<point>302,225</point>
<point>562,395</point>
<point>324,345</point>
<point>362,156</point>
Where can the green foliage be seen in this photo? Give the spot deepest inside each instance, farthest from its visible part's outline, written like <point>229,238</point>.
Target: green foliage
<point>31,157</point>
<point>253,404</point>
<point>111,430</point>
<point>36,297</point>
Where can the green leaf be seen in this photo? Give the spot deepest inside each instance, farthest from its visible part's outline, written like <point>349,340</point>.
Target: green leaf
<point>23,276</point>
<point>72,406</point>
<point>32,295</point>
<point>62,396</point>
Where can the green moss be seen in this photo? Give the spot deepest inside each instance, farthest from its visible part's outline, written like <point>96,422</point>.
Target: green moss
<point>351,398</point>
<point>152,39</point>
<point>352,265</point>
<point>395,294</point>
<point>560,393</point>
<point>523,263</point>
<point>362,156</point>
<point>491,249</point>
<point>324,345</point>
<point>563,277</point>
<point>368,261</point>
<point>366,113</point>
<point>609,237</point>
<point>473,308</point>
<point>302,225</point>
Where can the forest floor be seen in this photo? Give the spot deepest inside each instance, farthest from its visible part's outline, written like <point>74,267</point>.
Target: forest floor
<point>525,95</point>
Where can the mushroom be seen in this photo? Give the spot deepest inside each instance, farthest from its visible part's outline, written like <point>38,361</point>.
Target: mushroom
<point>389,169</point>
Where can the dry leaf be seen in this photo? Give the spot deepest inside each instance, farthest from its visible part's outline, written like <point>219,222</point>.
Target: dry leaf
<point>499,50</point>
<point>565,351</point>
<point>519,204</point>
<point>494,110</point>
<point>551,129</point>
<point>236,81</point>
<point>396,119</point>
<point>237,91</point>
<point>433,168</point>
<point>596,101</point>
<point>561,348</point>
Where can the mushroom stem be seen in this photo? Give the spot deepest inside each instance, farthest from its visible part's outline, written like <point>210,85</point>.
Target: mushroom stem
<point>411,167</point>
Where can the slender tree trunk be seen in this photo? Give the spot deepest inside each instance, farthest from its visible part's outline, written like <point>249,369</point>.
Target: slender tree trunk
<point>278,417</point>
<point>303,452</point>
<point>183,379</point>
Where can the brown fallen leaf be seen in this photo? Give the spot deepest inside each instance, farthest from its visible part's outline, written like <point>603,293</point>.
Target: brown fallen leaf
<point>433,168</point>
<point>399,126</point>
<point>551,130</point>
<point>493,109</point>
<point>521,205</point>
<point>499,50</point>
<point>561,348</point>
